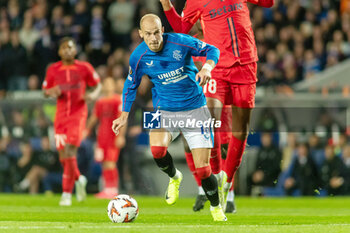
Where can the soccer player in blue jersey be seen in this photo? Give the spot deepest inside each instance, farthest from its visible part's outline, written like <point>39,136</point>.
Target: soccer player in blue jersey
<point>177,95</point>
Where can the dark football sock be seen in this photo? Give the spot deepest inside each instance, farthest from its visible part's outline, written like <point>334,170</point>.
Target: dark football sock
<point>166,164</point>
<point>210,186</point>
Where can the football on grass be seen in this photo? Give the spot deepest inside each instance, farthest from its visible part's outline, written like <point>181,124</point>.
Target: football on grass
<point>122,208</point>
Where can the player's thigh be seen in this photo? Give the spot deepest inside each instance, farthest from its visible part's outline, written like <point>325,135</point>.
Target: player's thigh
<point>76,127</point>
<point>160,137</point>
<point>68,134</point>
<point>241,117</point>
<point>243,95</point>
<point>186,147</point>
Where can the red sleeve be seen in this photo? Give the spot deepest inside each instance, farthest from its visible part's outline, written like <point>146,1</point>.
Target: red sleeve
<point>49,79</point>
<point>178,23</point>
<point>263,3</point>
<point>92,78</point>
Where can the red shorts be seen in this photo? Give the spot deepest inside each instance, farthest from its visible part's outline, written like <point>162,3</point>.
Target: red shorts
<point>229,93</point>
<point>109,153</point>
<point>226,127</point>
<point>69,131</point>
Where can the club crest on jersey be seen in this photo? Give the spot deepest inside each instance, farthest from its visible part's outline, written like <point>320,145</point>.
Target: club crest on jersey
<point>130,70</point>
<point>149,64</point>
<point>177,55</point>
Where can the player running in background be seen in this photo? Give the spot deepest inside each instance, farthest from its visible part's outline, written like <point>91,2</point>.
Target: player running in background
<point>167,60</point>
<point>226,24</point>
<point>67,81</point>
<point>106,109</point>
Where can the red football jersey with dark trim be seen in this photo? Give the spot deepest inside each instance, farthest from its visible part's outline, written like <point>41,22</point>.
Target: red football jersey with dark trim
<point>226,25</point>
<point>106,110</point>
<point>72,80</point>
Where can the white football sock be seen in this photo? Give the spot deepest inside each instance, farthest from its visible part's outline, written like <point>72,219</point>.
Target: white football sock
<point>230,196</point>
<point>177,175</point>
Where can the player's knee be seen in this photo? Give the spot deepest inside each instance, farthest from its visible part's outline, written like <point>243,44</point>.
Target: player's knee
<point>158,152</point>
<point>203,172</point>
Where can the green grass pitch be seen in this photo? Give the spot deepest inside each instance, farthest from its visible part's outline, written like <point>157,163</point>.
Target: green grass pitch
<point>26,213</point>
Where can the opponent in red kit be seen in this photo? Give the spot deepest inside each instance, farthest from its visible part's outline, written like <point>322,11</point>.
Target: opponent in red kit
<point>67,80</point>
<point>108,147</point>
<point>226,24</point>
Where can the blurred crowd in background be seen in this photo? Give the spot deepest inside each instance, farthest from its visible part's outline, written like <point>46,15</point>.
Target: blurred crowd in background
<point>296,39</point>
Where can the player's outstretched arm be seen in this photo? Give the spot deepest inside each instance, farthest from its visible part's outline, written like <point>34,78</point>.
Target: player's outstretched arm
<point>263,3</point>
<point>120,122</point>
<point>175,20</point>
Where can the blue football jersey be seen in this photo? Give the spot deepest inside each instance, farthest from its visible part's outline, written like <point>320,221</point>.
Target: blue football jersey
<point>172,72</point>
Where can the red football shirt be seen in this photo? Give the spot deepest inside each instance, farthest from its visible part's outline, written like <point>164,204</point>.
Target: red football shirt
<point>72,80</point>
<point>226,25</point>
<point>106,110</point>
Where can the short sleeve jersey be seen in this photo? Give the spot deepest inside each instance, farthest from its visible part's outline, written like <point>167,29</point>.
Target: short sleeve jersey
<point>73,81</point>
<point>106,110</point>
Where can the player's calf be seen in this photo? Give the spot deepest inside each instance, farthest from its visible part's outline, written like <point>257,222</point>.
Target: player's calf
<point>210,186</point>
<point>165,162</point>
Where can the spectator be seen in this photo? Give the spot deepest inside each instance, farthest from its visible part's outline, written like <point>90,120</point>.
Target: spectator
<point>18,133</point>
<point>121,15</point>
<point>333,173</point>
<point>81,21</point>
<point>14,16</point>
<point>304,176</point>
<point>41,161</point>
<point>40,15</point>
<point>44,53</point>
<point>27,34</point>
<point>98,47</point>
<point>15,64</point>
<point>346,160</point>
<point>5,167</point>
<point>316,150</point>
<point>268,165</point>
<point>56,22</point>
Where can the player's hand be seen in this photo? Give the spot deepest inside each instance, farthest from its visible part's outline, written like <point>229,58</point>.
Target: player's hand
<point>120,122</point>
<point>166,4</point>
<point>204,76</point>
<point>53,92</point>
<point>120,142</point>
